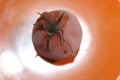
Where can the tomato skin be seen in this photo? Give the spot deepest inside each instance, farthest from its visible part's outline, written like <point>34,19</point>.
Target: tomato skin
<point>71,31</point>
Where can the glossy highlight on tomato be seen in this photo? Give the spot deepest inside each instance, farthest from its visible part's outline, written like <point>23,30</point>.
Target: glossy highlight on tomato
<point>57,36</point>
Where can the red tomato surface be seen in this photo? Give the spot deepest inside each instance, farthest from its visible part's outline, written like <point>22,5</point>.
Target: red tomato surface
<point>70,29</point>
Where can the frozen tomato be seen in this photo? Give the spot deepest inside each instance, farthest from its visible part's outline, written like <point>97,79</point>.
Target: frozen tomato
<point>56,35</point>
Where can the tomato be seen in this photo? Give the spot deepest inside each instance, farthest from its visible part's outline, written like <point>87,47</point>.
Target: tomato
<point>56,35</point>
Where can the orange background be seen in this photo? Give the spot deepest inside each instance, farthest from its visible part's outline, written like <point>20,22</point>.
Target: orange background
<point>102,61</point>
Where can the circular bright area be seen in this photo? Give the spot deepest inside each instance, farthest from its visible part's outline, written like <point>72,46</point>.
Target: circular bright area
<point>98,57</point>
<point>23,55</point>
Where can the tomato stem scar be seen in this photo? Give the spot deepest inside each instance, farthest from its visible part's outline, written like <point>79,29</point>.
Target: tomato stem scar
<point>52,28</point>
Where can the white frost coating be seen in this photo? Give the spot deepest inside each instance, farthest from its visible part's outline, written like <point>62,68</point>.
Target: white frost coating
<point>10,63</point>
<point>85,43</point>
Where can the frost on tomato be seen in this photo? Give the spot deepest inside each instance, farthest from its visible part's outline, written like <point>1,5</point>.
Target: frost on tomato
<point>56,35</point>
